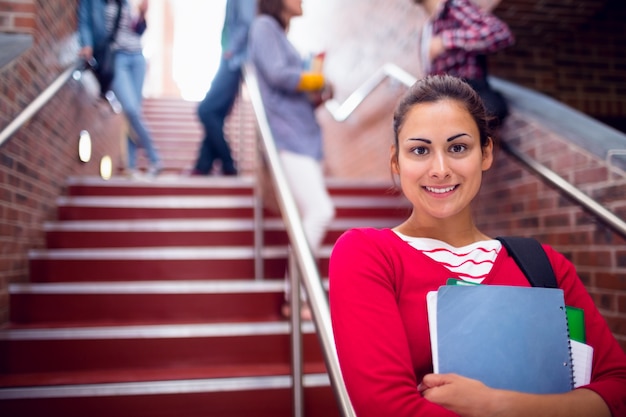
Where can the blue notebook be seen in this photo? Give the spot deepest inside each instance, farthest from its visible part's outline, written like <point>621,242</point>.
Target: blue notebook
<point>507,337</point>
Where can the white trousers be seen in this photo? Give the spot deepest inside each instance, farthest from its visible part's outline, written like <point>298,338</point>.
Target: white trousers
<point>305,178</point>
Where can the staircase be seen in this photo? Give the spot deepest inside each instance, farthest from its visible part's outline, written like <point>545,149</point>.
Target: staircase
<point>144,301</point>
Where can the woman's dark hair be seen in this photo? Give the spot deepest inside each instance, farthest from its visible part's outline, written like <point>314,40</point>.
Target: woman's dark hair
<point>435,88</point>
<point>273,8</point>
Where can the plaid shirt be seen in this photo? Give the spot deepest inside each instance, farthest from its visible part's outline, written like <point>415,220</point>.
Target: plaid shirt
<point>467,31</point>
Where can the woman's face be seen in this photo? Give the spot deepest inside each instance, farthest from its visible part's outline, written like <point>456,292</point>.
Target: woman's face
<point>439,159</point>
<point>292,8</point>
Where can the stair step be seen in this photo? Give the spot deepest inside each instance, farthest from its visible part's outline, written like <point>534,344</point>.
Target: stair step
<point>259,396</point>
<point>154,207</point>
<point>151,347</point>
<point>161,186</point>
<point>183,232</point>
<point>153,263</point>
<point>146,302</point>
<point>184,206</point>
<point>172,232</point>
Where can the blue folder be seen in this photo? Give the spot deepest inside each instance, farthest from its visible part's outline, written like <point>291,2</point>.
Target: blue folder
<point>508,337</point>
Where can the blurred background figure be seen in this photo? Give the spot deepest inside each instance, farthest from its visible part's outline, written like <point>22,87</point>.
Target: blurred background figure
<point>221,96</point>
<point>456,40</point>
<point>290,95</point>
<point>96,20</point>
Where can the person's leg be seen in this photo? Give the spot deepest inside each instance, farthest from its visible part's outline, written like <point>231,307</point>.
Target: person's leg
<point>305,177</point>
<point>306,182</point>
<point>212,112</point>
<point>127,86</point>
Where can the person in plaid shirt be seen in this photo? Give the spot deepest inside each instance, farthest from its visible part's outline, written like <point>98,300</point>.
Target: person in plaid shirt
<point>455,41</point>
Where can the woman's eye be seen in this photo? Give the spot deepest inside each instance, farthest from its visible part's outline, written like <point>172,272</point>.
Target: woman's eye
<point>420,150</point>
<point>456,148</point>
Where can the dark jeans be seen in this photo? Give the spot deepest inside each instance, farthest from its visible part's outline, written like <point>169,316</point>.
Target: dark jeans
<point>212,111</point>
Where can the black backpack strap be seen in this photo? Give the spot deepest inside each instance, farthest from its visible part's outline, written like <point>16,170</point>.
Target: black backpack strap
<point>532,260</point>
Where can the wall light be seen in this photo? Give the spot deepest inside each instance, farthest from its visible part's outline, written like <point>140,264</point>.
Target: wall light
<point>84,146</point>
<point>106,167</point>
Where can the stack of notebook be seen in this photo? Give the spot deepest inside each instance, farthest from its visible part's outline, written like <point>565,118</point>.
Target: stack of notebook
<point>515,338</point>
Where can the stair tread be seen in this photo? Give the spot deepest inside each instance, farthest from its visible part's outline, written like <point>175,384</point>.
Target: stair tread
<point>151,374</point>
<point>148,330</point>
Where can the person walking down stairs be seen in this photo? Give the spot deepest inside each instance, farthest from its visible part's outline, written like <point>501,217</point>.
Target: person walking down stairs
<point>96,20</point>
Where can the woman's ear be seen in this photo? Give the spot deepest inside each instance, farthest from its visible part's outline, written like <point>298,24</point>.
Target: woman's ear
<point>487,155</point>
<point>393,159</point>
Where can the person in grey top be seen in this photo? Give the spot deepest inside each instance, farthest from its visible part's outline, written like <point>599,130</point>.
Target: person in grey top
<point>286,90</point>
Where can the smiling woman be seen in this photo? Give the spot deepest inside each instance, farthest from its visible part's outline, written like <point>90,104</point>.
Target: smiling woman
<point>439,159</point>
<point>442,147</point>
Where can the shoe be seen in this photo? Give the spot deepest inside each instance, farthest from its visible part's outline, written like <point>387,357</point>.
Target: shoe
<point>230,172</point>
<point>197,173</point>
<point>133,174</point>
<point>111,98</point>
<point>154,170</point>
<point>305,311</point>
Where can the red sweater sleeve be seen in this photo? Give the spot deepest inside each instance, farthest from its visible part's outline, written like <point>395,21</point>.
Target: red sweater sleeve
<point>608,374</point>
<point>367,316</point>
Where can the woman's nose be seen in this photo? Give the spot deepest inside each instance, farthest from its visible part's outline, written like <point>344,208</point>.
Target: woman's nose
<point>439,167</point>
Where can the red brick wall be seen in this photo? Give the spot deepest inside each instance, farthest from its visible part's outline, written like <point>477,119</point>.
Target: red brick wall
<point>38,158</point>
<point>17,16</point>
<point>572,51</point>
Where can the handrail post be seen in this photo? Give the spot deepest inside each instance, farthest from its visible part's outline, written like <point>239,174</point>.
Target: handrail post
<point>296,337</point>
<point>259,271</point>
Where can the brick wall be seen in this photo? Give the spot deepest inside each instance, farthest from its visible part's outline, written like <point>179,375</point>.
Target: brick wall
<point>38,158</point>
<point>17,16</point>
<point>570,50</point>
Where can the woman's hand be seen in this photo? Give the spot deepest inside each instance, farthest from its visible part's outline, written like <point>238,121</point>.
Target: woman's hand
<point>86,53</point>
<point>143,8</point>
<point>471,398</point>
<point>436,47</point>
<point>318,97</point>
<point>464,396</point>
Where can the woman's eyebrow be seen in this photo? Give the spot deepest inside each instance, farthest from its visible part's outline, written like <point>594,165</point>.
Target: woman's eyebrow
<point>428,141</point>
<point>450,139</point>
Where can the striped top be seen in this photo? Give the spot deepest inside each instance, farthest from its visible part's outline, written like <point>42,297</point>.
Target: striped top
<point>126,38</point>
<point>470,263</point>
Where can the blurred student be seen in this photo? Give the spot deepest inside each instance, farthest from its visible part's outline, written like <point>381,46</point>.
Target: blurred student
<point>220,98</point>
<point>457,39</point>
<point>290,96</point>
<point>96,20</point>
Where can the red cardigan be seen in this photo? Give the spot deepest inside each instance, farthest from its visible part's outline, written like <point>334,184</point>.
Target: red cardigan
<point>377,296</point>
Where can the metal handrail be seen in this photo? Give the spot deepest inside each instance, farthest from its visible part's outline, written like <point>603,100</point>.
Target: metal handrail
<point>303,258</point>
<point>38,103</point>
<point>341,112</point>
